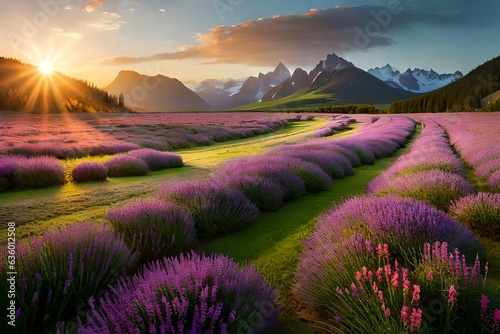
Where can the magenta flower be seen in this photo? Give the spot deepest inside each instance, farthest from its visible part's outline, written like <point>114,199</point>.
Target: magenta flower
<point>406,285</point>
<point>484,305</point>
<point>387,312</point>
<point>496,316</point>
<point>415,297</point>
<point>415,319</point>
<point>452,294</point>
<point>405,315</point>
<point>430,275</point>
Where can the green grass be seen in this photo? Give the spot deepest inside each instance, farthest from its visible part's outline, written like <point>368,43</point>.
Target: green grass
<point>296,100</point>
<point>274,242</point>
<point>36,210</point>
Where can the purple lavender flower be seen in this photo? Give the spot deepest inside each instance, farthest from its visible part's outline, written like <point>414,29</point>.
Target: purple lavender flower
<point>155,227</point>
<point>217,210</point>
<point>124,165</point>
<point>158,160</point>
<point>55,270</point>
<point>90,171</point>
<point>480,212</point>
<point>179,295</point>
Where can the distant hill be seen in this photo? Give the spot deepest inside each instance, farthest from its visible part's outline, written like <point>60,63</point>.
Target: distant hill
<point>24,88</point>
<point>462,95</point>
<point>334,81</point>
<point>155,93</point>
<point>416,80</point>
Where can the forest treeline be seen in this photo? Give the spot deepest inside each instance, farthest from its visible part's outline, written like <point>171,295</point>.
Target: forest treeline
<point>462,95</point>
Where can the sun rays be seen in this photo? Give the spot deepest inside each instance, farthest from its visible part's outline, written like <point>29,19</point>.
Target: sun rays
<point>46,67</point>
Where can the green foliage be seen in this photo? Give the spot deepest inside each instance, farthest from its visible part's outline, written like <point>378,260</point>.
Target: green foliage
<point>462,95</point>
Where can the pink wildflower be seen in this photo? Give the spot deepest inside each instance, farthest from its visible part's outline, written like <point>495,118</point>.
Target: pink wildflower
<point>405,315</point>
<point>381,295</point>
<point>375,287</point>
<point>415,319</point>
<point>364,270</point>
<point>405,273</point>
<point>387,312</point>
<point>430,275</point>
<point>386,250</point>
<point>380,251</point>
<point>379,274</point>
<point>453,295</point>
<point>484,305</point>
<point>496,316</point>
<point>395,280</point>
<point>406,285</point>
<point>415,297</point>
<point>359,277</point>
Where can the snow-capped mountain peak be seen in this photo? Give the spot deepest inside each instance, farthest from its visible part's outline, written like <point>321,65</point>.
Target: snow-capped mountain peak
<point>416,80</point>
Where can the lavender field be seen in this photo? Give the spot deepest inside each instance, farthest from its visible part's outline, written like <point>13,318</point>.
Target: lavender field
<point>252,222</point>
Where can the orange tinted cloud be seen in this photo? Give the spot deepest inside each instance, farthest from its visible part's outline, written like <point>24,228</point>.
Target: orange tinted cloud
<point>94,3</point>
<point>295,39</point>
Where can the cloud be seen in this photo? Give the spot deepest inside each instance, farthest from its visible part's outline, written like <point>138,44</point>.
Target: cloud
<point>162,10</point>
<point>296,39</point>
<point>68,34</point>
<point>93,4</point>
<point>110,21</point>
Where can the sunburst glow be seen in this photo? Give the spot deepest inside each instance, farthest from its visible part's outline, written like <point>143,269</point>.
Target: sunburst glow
<point>46,68</point>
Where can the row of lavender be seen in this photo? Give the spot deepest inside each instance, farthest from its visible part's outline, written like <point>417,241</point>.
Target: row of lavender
<point>339,123</point>
<point>194,293</point>
<point>431,171</point>
<point>476,139</point>
<point>122,138</point>
<point>38,172</point>
<point>398,265</point>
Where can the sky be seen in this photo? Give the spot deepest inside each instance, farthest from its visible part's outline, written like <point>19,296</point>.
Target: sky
<point>194,40</point>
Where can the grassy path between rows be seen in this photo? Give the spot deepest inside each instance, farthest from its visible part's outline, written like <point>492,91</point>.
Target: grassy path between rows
<point>36,210</point>
<point>274,242</point>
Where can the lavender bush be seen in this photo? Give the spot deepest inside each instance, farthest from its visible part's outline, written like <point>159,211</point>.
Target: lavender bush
<point>268,167</point>
<point>158,160</point>
<point>264,192</point>
<point>494,181</point>
<point>364,153</point>
<point>63,268</point>
<point>90,171</point>
<point>346,236</point>
<point>435,186</point>
<point>111,149</point>
<point>481,213</point>
<point>315,179</point>
<point>39,172</point>
<point>485,170</point>
<point>124,165</point>
<point>331,163</point>
<point>189,294</point>
<point>154,227</point>
<point>217,210</point>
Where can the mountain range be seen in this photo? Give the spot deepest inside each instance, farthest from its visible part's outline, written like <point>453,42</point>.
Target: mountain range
<point>232,93</point>
<point>333,81</point>
<point>416,80</point>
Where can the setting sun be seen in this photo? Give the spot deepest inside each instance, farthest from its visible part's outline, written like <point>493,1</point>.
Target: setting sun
<point>46,68</point>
